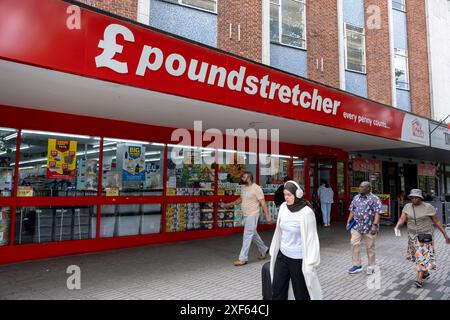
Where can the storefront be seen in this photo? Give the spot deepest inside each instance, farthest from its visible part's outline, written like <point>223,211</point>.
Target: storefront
<point>395,172</point>
<point>89,106</point>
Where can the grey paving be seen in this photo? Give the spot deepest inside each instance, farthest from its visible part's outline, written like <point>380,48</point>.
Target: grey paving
<point>203,270</point>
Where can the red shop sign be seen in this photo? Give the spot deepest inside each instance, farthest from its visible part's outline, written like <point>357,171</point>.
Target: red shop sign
<point>427,170</point>
<point>61,36</point>
<point>366,165</point>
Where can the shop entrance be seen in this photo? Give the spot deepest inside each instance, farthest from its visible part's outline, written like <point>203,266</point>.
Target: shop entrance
<point>323,169</point>
<point>410,177</point>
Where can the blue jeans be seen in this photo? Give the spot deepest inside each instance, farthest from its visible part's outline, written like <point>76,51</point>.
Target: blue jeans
<point>326,211</point>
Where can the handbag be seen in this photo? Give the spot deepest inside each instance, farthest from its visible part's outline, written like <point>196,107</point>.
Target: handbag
<point>422,237</point>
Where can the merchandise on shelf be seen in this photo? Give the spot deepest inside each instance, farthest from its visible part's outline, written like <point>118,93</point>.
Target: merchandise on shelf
<point>5,220</point>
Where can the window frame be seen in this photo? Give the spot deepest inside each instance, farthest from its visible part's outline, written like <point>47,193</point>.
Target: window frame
<point>401,5</point>
<point>280,24</point>
<point>180,3</point>
<point>404,54</point>
<point>363,33</point>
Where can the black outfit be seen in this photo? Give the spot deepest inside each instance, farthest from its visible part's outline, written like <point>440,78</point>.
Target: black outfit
<point>279,196</point>
<point>289,269</point>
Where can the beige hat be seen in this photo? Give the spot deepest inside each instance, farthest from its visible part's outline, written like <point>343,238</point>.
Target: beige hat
<point>416,193</point>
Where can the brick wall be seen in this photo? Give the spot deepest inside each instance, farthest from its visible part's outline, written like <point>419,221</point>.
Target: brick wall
<point>124,8</point>
<point>247,13</point>
<point>418,57</point>
<point>322,41</point>
<point>379,75</point>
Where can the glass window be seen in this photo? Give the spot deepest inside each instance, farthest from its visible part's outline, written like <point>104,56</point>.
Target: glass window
<point>232,166</point>
<point>340,178</point>
<point>401,69</point>
<point>132,168</point>
<point>190,171</point>
<point>5,225</point>
<point>273,170</point>
<point>53,224</point>
<point>189,216</point>
<point>355,49</point>
<point>428,184</point>
<point>399,5</point>
<point>57,164</point>
<point>288,22</point>
<point>208,5</point>
<point>8,139</point>
<point>299,171</point>
<point>130,219</point>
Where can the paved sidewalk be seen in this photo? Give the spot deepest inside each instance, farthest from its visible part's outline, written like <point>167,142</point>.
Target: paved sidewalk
<point>203,269</point>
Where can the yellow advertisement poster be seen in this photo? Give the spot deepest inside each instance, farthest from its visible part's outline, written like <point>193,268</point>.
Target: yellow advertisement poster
<point>61,159</point>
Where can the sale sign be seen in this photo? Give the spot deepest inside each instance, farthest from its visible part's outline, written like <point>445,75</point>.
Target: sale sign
<point>61,159</point>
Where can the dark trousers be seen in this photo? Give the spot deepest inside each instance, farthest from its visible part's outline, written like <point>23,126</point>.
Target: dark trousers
<point>289,269</point>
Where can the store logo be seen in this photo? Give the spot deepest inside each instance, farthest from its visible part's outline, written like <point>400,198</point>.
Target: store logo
<point>417,129</point>
<point>191,150</point>
<point>154,59</point>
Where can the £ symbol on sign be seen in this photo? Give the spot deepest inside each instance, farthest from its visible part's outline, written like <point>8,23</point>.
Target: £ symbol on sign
<point>110,48</point>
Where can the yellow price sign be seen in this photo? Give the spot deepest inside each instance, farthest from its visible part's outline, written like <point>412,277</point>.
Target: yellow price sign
<point>112,192</point>
<point>25,192</point>
<point>171,192</point>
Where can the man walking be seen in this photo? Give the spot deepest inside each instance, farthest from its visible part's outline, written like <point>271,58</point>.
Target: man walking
<point>365,209</point>
<point>252,197</point>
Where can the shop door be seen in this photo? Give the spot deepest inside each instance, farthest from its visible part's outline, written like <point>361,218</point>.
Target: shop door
<point>391,184</point>
<point>323,169</point>
<point>410,177</point>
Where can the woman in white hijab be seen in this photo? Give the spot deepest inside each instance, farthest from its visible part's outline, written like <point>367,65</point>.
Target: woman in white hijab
<point>295,249</point>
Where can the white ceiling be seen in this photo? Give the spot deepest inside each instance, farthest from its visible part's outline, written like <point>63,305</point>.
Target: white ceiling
<point>26,86</point>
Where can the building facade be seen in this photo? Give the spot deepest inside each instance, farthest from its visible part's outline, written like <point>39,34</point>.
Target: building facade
<point>90,101</point>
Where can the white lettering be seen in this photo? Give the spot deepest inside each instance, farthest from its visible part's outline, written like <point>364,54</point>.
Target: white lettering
<point>170,62</point>
<point>235,79</point>
<point>144,61</point>
<point>111,48</point>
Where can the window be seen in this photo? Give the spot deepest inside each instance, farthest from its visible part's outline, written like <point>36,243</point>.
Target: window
<point>130,220</point>
<point>399,5</point>
<point>341,178</point>
<point>288,22</point>
<point>273,169</point>
<point>190,171</point>
<point>57,164</point>
<point>232,166</point>
<point>189,217</point>
<point>54,224</point>
<point>208,5</point>
<point>299,170</point>
<point>132,167</point>
<point>8,138</point>
<point>5,223</point>
<point>401,69</point>
<point>355,50</point>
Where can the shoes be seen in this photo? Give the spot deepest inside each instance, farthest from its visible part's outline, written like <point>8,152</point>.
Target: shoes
<point>418,284</point>
<point>370,270</point>
<point>239,263</point>
<point>426,276</point>
<point>355,269</point>
<point>264,255</point>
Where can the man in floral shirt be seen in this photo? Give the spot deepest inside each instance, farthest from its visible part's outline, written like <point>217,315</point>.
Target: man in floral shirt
<point>365,209</point>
